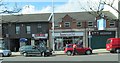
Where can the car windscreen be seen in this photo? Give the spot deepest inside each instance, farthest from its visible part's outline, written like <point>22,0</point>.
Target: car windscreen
<point>108,41</point>
<point>26,47</point>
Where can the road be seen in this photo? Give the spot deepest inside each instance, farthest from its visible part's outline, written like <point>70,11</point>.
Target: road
<point>60,58</point>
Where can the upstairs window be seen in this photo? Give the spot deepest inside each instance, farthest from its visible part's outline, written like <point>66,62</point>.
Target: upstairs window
<point>39,28</point>
<point>56,26</point>
<point>17,29</point>
<point>67,24</point>
<point>112,23</point>
<point>28,29</point>
<point>90,24</point>
<point>79,24</point>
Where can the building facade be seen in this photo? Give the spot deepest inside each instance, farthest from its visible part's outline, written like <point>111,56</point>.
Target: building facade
<point>30,27</point>
<point>75,27</point>
<point>69,28</point>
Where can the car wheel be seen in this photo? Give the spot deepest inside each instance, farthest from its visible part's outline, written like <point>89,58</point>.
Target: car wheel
<point>69,53</point>
<point>111,51</point>
<point>1,55</point>
<point>117,50</point>
<point>43,54</point>
<point>88,52</point>
<point>51,53</point>
<point>8,55</point>
<point>25,54</point>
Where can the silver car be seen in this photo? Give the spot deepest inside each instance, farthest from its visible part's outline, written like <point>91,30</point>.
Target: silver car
<point>5,52</point>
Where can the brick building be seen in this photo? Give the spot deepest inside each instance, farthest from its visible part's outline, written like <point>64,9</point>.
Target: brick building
<point>74,27</point>
<point>69,28</point>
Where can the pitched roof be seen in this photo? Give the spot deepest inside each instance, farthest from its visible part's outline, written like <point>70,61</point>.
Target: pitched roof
<point>26,18</point>
<point>43,17</point>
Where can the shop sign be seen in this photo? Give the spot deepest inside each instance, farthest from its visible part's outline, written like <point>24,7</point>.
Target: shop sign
<point>101,24</point>
<point>103,33</point>
<point>39,36</point>
<point>69,34</point>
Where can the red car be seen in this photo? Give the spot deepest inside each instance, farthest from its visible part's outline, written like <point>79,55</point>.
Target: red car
<point>113,45</point>
<point>80,50</point>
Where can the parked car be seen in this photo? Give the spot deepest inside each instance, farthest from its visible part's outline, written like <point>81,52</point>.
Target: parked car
<point>30,50</point>
<point>5,52</point>
<point>113,45</point>
<point>80,50</point>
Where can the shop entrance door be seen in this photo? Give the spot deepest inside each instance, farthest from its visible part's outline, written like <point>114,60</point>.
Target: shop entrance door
<point>14,45</point>
<point>67,40</point>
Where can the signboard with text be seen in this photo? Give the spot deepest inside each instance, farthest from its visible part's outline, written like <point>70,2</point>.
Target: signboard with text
<point>38,36</point>
<point>101,24</point>
<point>69,34</point>
<point>102,33</point>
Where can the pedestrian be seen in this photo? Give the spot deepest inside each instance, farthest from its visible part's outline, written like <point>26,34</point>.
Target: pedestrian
<point>74,49</point>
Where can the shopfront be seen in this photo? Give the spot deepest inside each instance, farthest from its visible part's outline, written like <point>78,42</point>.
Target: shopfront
<point>99,38</point>
<point>62,39</point>
<point>39,38</point>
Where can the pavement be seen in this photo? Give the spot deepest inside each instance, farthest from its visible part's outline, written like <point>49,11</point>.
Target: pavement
<point>95,51</point>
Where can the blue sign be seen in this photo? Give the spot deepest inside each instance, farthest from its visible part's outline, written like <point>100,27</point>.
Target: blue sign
<point>101,24</point>
<point>23,40</point>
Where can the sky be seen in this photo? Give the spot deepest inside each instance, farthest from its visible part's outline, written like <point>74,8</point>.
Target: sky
<point>45,6</point>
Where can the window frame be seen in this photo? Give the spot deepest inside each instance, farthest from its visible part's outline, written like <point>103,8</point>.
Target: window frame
<point>17,29</point>
<point>68,24</point>
<point>79,24</point>
<point>90,25</point>
<point>28,31</point>
<point>112,22</point>
<point>39,28</point>
<point>56,25</point>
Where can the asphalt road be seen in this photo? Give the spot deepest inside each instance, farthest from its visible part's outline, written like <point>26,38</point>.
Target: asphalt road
<point>95,58</point>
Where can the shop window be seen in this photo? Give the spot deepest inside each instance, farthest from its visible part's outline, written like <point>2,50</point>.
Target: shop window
<point>79,24</point>
<point>17,29</point>
<point>90,24</point>
<point>112,24</point>
<point>28,29</point>
<point>67,24</point>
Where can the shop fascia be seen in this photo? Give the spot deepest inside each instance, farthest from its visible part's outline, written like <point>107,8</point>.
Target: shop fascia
<point>69,34</point>
<point>40,36</point>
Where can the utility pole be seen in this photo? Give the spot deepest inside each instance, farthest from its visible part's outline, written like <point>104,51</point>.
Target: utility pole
<point>1,31</point>
<point>53,36</point>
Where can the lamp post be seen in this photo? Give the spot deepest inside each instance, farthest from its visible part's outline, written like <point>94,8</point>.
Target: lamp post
<point>1,28</point>
<point>90,39</point>
<point>53,26</point>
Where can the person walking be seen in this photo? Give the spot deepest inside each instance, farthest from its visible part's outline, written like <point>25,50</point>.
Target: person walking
<point>74,49</point>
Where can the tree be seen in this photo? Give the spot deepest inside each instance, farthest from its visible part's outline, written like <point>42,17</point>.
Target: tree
<point>100,8</point>
<point>5,9</point>
<point>118,11</point>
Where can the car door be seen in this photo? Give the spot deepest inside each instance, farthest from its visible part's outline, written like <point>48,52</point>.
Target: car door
<point>80,49</point>
<point>35,51</point>
<point>28,49</point>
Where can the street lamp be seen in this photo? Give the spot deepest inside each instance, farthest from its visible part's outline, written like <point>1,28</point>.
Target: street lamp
<point>53,26</point>
<point>90,39</point>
